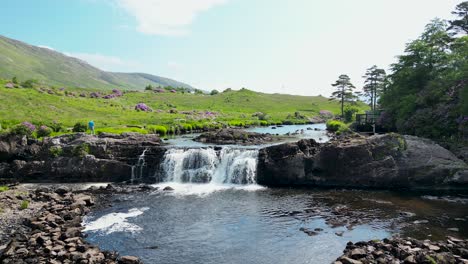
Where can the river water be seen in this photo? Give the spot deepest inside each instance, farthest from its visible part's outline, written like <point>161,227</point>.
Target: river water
<point>218,214</point>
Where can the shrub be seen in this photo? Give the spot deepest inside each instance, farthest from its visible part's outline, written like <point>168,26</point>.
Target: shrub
<point>160,130</point>
<point>337,126</point>
<point>28,83</point>
<point>4,188</point>
<point>349,112</point>
<point>56,126</point>
<point>81,150</point>
<point>23,129</point>
<point>263,123</point>
<point>334,125</point>
<point>44,131</point>
<point>213,92</point>
<point>55,151</point>
<point>80,127</point>
<point>142,107</point>
<point>186,127</point>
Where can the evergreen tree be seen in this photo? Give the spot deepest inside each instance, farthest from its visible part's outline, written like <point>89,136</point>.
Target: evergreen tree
<point>374,85</point>
<point>460,25</point>
<point>344,91</point>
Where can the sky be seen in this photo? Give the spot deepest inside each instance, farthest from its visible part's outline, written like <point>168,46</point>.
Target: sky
<point>273,46</point>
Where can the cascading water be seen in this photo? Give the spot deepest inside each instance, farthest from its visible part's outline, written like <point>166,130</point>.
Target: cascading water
<point>206,165</point>
<point>137,169</point>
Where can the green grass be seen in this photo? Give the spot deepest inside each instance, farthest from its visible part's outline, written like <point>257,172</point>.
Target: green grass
<point>24,204</point>
<point>4,188</point>
<point>117,115</point>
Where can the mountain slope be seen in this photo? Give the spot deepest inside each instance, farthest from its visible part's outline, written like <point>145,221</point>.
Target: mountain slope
<point>54,68</point>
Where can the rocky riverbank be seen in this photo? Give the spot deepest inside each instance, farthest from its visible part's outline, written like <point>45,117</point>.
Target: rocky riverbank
<point>408,251</point>
<point>388,161</point>
<point>80,158</point>
<point>48,229</point>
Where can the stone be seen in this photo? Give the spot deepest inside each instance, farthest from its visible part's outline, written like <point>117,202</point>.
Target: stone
<point>62,190</point>
<point>346,260</point>
<point>358,253</point>
<point>168,188</point>
<point>129,260</point>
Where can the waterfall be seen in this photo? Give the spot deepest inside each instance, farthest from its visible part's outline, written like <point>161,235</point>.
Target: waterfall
<point>206,165</point>
<point>137,169</point>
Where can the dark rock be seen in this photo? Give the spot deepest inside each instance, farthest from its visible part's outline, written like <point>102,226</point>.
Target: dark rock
<point>62,190</point>
<point>382,161</point>
<point>168,188</point>
<point>129,260</point>
<point>235,136</point>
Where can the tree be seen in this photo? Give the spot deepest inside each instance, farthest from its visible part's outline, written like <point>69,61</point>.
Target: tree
<point>460,25</point>
<point>213,92</point>
<point>14,80</point>
<point>374,85</point>
<point>344,91</point>
<point>149,87</point>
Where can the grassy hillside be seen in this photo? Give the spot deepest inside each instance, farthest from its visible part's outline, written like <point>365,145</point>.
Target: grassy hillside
<point>54,68</point>
<point>43,105</point>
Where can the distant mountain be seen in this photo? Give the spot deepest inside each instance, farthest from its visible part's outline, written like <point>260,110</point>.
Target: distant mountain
<point>54,68</point>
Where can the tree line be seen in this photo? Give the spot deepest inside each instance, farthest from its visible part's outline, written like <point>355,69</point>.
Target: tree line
<point>425,93</point>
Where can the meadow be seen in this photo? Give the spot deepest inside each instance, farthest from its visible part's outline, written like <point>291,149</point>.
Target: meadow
<point>43,105</point>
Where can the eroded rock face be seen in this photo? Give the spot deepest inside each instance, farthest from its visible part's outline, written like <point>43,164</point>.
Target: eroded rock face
<point>79,157</point>
<point>383,161</point>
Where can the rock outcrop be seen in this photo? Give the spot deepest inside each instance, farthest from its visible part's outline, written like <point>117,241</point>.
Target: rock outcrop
<point>231,136</point>
<point>383,161</point>
<point>80,158</point>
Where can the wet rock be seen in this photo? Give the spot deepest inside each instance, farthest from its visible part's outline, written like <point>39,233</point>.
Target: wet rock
<point>235,136</point>
<point>308,231</point>
<point>62,190</point>
<point>168,188</point>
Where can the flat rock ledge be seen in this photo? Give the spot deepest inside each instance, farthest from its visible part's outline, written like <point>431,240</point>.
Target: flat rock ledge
<point>407,251</point>
<point>231,136</point>
<point>54,233</point>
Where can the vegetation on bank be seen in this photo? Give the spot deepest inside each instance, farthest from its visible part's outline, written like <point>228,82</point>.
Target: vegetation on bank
<point>43,111</point>
<point>4,188</point>
<point>426,92</point>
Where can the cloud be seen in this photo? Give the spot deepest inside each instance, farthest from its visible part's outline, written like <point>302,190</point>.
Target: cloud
<point>175,65</point>
<point>166,17</point>
<point>104,62</point>
<point>46,47</point>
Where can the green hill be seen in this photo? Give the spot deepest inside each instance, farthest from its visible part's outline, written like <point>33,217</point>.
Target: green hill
<point>54,68</point>
<point>44,105</point>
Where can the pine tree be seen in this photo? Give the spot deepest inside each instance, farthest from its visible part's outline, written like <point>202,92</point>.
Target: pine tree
<point>344,91</point>
<point>374,85</point>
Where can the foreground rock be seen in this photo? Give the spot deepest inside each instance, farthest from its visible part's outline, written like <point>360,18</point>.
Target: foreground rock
<point>53,234</point>
<point>383,161</point>
<point>408,251</point>
<point>236,136</point>
<point>79,157</point>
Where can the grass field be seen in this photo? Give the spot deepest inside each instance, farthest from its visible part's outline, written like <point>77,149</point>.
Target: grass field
<point>169,109</point>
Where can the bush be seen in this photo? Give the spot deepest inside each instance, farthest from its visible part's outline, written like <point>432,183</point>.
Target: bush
<point>186,127</point>
<point>24,204</point>
<point>349,112</point>
<point>23,129</point>
<point>334,125</point>
<point>28,83</point>
<point>263,123</point>
<point>44,131</point>
<point>56,126</point>
<point>81,150</point>
<point>55,151</point>
<point>213,92</point>
<point>4,188</point>
<point>160,130</point>
<point>80,127</point>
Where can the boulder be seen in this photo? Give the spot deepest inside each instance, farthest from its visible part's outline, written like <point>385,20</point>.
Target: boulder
<point>382,161</point>
<point>235,136</point>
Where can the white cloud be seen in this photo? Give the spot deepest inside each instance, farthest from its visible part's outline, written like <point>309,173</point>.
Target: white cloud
<point>175,65</point>
<point>46,47</point>
<point>104,62</point>
<point>166,17</point>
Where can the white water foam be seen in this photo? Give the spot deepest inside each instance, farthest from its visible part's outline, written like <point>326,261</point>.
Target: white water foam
<point>199,165</point>
<point>114,222</point>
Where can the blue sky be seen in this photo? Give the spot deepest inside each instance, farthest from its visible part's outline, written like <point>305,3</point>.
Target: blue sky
<point>284,46</point>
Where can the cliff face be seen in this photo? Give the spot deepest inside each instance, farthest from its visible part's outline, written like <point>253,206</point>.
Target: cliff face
<point>80,158</point>
<point>383,161</point>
